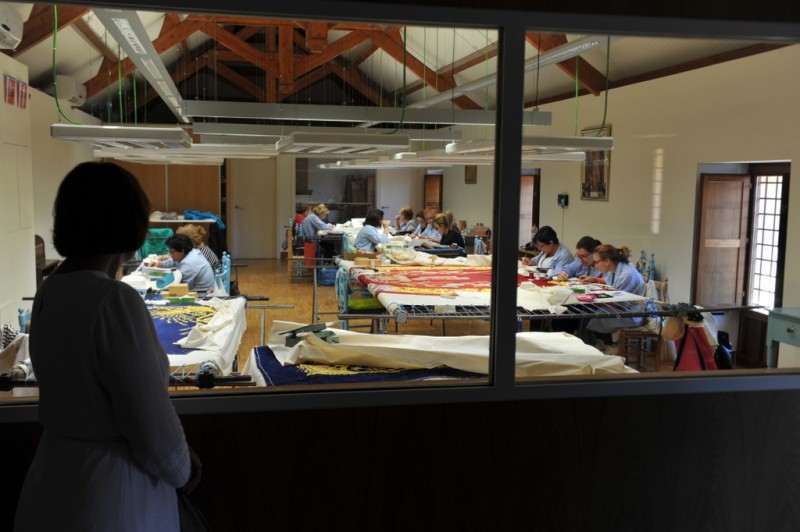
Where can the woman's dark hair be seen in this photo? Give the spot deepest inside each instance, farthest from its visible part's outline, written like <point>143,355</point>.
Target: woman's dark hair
<point>588,243</point>
<point>616,255</point>
<point>546,235</point>
<point>373,219</point>
<point>180,243</point>
<point>99,208</point>
<point>376,210</point>
<point>302,207</point>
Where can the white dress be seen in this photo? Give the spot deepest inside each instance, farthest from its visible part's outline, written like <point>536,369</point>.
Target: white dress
<point>113,449</point>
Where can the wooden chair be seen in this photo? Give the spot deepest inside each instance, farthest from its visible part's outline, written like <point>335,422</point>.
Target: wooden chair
<point>646,340</point>
<point>44,266</point>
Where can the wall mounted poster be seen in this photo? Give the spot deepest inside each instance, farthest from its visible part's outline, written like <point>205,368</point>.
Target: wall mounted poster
<point>22,94</point>
<point>11,90</point>
<point>595,172</point>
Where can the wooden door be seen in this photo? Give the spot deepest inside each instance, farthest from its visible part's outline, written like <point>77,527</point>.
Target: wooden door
<point>432,193</point>
<point>252,190</point>
<point>722,240</point>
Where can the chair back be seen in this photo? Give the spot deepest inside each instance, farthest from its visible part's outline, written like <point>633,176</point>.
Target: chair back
<point>40,258</point>
<point>662,288</point>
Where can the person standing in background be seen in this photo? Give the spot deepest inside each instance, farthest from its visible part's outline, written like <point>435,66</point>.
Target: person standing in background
<point>113,451</point>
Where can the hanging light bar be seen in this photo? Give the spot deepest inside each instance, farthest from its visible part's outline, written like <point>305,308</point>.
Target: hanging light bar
<point>342,143</point>
<point>123,136</point>
<point>536,145</point>
<point>127,29</point>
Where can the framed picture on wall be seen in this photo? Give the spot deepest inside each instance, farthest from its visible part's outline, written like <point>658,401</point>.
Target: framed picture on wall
<point>596,170</point>
<point>11,90</point>
<point>470,175</point>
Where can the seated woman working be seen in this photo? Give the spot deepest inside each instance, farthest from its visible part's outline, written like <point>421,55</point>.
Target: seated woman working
<point>582,268</point>
<point>449,236</point>
<point>369,236</point>
<point>621,275</point>
<point>425,228</point>
<point>195,269</point>
<point>197,234</point>
<point>553,255</point>
<point>404,221</point>
<point>315,222</point>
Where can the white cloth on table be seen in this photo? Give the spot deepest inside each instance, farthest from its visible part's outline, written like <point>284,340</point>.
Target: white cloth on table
<point>538,353</point>
<point>113,449</point>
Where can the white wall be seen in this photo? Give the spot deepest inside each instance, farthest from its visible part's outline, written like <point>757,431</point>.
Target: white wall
<point>17,262</point>
<point>742,110</point>
<point>61,157</point>
<point>397,187</point>
<point>472,203</point>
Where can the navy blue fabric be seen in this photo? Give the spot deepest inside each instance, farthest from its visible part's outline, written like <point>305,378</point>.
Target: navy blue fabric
<point>175,320</point>
<point>277,375</point>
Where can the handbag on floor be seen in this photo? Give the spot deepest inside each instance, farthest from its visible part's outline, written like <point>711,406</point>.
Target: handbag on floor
<point>694,351</point>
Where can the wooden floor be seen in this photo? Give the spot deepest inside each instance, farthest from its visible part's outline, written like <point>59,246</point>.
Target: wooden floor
<point>270,278</point>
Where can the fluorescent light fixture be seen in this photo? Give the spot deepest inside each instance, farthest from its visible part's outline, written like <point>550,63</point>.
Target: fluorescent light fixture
<point>273,133</point>
<point>123,136</point>
<point>127,29</point>
<point>342,143</point>
<point>536,145</point>
<point>352,113</point>
<point>552,56</point>
<point>195,152</point>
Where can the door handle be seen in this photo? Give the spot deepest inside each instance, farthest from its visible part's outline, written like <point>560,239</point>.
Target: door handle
<point>237,207</point>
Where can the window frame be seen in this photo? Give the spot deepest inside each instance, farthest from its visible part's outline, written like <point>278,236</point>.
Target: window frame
<point>512,25</point>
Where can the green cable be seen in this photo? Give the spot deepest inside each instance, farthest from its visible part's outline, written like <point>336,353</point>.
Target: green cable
<point>119,81</point>
<point>135,103</point>
<point>55,75</point>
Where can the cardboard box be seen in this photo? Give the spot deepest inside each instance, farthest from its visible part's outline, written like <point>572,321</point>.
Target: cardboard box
<point>350,255</point>
<point>178,289</point>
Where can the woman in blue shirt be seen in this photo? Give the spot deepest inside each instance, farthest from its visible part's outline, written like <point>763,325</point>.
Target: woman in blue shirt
<point>315,222</point>
<point>621,275</point>
<point>369,236</point>
<point>194,267</point>
<point>553,255</point>
<point>582,268</point>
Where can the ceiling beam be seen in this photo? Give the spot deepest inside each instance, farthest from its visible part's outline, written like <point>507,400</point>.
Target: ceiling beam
<point>239,47</point>
<point>395,48</point>
<point>164,42</point>
<point>687,66</point>
<point>468,61</point>
<point>308,63</point>
<point>170,21</point>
